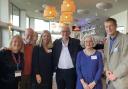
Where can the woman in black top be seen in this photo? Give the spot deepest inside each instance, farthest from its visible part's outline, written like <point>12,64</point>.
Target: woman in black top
<point>11,61</point>
<point>42,63</point>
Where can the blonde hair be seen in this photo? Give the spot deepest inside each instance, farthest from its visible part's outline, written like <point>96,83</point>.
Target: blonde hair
<point>88,36</point>
<point>40,42</point>
<point>19,38</point>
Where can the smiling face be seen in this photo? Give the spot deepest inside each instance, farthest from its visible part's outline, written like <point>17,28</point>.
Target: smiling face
<point>16,43</point>
<point>65,32</point>
<point>89,42</point>
<point>46,37</point>
<point>110,26</point>
<point>29,33</point>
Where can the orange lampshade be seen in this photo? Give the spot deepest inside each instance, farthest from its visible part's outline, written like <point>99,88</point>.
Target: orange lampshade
<point>50,12</point>
<point>68,6</point>
<point>66,18</point>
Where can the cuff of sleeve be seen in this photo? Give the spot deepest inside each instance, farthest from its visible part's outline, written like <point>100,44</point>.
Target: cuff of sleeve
<point>95,81</point>
<point>116,74</point>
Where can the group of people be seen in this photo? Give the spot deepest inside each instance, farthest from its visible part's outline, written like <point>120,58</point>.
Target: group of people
<point>26,64</point>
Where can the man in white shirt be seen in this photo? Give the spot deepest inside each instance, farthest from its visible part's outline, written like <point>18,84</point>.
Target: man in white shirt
<point>64,53</point>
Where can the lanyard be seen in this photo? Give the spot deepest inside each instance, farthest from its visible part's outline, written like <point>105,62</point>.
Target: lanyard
<point>17,62</point>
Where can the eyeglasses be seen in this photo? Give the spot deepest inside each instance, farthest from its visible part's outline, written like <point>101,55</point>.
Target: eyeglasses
<point>88,41</point>
<point>65,31</point>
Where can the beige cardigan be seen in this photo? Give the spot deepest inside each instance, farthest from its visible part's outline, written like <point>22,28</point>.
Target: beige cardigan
<point>117,60</point>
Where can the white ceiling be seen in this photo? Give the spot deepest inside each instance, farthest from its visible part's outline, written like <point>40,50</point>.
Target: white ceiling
<point>34,7</point>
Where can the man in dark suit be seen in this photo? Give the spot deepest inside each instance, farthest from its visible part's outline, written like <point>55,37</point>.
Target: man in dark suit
<point>64,53</point>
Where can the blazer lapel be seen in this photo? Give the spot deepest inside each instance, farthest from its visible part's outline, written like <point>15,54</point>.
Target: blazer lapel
<point>117,41</point>
<point>70,47</point>
<point>108,49</point>
<point>59,47</point>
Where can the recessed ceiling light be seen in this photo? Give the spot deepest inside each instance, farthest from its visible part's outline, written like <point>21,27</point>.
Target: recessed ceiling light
<point>36,11</point>
<point>44,5</point>
<point>104,5</point>
<point>82,11</point>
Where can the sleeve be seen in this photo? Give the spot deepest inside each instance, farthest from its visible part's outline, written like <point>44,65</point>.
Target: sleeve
<point>35,60</point>
<point>79,46</point>
<point>105,58</point>
<point>78,66</point>
<point>52,62</point>
<point>100,67</point>
<point>54,55</point>
<point>1,54</point>
<point>122,69</point>
<point>22,61</point>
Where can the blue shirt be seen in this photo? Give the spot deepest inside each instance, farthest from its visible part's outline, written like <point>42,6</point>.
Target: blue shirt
<point>112,40</point>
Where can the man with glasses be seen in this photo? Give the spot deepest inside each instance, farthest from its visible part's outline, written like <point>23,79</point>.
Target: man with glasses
<point>64,53</point>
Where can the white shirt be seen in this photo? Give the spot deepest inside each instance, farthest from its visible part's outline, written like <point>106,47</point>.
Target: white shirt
<point>65,61</point>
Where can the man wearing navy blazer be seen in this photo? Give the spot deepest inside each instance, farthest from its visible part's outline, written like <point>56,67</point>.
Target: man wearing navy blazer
<point>64,55</point>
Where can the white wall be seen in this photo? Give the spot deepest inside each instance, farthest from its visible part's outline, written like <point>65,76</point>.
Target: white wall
<point>122,19</point>
<point>5,38</point>
<point>0,37</point>
<point>4,11</point>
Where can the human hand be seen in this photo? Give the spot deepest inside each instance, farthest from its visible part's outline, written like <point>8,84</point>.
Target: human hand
<point>108,73</point>
<point>112,77</point>
<point>38,78</point>
<point>84,84</point>
<point>92,85</point>
<point>4,48</point>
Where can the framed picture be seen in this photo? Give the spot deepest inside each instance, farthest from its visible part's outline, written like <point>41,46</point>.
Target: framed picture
<point>76,28</point>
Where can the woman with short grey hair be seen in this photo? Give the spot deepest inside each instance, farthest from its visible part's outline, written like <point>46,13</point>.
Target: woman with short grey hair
<point>89,66</point>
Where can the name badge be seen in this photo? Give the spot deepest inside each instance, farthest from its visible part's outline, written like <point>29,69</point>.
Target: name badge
<point>18,73</point>
<point>50,50</point>
<point>94,57</point>
<point>115,49</point>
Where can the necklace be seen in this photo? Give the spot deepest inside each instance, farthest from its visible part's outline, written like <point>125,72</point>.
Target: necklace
<point>89,52</point>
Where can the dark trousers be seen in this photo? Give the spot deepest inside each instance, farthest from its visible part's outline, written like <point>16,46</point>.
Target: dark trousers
<point>25,82</point>
<point>10,85</point>
<point>66,78</point>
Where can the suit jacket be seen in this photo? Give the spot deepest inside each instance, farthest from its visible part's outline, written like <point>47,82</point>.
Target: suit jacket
<point>117,60</point>
<point>73,46</point>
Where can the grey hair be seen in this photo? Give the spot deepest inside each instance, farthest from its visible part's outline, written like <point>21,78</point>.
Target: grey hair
<point>88,36</point>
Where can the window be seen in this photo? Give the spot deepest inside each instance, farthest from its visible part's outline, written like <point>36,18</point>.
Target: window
<point>15,32</point>
<point>27,22</point>
<point>53,27</point>
<point>41,25</point>
<point>14,13</point>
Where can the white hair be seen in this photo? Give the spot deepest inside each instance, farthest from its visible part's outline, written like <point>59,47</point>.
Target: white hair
<point>88,36</point>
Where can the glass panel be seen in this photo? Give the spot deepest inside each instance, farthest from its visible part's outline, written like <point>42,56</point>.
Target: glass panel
<point>16,32</point>
<point>27,22</point>
<point>16,14</point>
<point>10,12</point>
<point>41,25</point>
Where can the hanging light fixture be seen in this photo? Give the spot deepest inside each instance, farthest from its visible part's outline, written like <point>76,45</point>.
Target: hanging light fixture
<point>49,12</point>
<point>66,18</point>
<point>68,6</point>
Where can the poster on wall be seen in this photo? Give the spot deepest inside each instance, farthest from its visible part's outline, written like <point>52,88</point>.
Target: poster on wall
<point>76,32</point>
<point>76,28</point>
